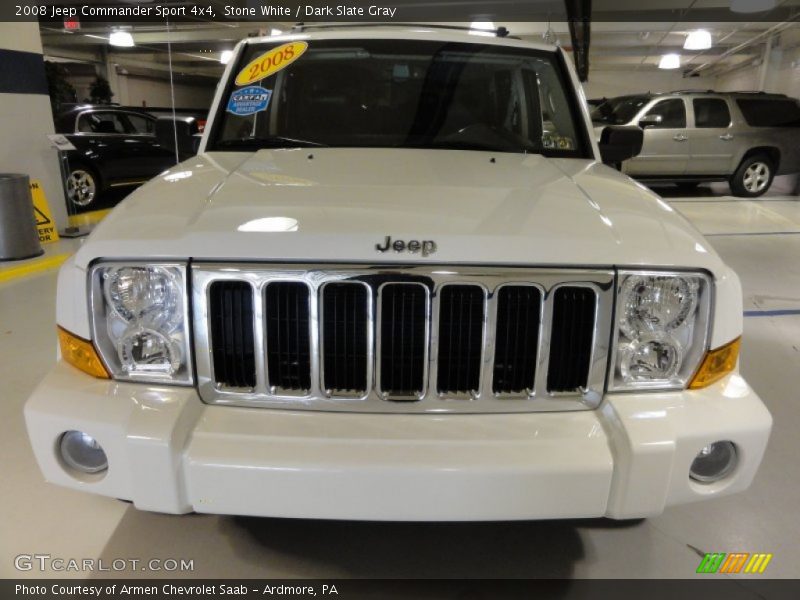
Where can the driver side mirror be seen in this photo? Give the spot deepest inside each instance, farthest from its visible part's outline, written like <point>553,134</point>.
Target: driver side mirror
<point>620,142</point>
<point>650,121</point>
<point>184,130</point>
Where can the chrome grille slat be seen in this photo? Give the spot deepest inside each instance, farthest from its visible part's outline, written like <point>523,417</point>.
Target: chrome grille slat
<point>461,312</point>
<point>404,323</point>
<point>288,337</point>
<point>572,338</point>
<point>517,340</point>
<point>315,392</point>
<point>345,339</point>
<point>232,334</point>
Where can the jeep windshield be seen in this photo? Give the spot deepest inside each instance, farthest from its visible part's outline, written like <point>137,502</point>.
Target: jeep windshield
<point>618,111</point>
<point>395,93</point>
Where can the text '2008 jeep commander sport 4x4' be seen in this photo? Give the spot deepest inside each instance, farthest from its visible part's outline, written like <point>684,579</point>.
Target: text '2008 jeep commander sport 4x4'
<point>399,283</point>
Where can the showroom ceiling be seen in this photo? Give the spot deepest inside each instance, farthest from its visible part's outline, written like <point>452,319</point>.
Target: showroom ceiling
<point>617,41</point>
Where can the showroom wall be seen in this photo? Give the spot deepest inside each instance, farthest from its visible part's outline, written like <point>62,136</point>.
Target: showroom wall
<point>25,116</point>
<point>783,72</point>
<point>135,90</point>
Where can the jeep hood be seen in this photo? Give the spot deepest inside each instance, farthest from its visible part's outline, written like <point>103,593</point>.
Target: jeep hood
<point>335,205</point>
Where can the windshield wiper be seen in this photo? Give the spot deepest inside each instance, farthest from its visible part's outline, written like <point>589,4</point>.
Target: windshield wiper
<point>270,141</point>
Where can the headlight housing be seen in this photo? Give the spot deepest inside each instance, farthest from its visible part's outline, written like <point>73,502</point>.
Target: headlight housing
<point>139,321</point>
<point>662,329</point>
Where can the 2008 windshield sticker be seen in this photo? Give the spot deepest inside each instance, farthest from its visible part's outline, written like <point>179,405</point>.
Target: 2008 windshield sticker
<point>271,62</point>
<point>249,100</point>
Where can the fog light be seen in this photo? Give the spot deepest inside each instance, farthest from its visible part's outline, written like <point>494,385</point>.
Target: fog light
<point>81,452</point>
<point>714,462</point>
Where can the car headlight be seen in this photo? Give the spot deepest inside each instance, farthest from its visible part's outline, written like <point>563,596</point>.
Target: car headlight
<point>661,333</point>
<point>139,321</point>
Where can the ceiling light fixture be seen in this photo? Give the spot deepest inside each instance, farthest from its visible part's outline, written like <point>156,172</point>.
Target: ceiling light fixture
<point>670,61</point>
<point>752,6</point>
<point>123,39</point>
<point>226,56</point>
<point>698,40</point>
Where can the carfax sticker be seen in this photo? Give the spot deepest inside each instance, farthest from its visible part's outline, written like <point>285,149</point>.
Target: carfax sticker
<point>271,62</point>
<point>249,100</point>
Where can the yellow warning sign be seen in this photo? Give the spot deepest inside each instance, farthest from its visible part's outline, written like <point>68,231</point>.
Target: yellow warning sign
<point>44,218</point>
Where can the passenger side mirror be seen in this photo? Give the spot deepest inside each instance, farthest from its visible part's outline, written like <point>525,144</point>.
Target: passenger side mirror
<point>650,121</point>
<point>184,130</point>
<point>620,142</point>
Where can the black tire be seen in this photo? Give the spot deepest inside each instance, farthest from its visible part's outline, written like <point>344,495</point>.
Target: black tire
<point>83,185</point>
<point>753,177</point>
<point>687,186</point>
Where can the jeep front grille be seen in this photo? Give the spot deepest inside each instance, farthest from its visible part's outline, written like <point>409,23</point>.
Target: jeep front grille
<point>401,339</point>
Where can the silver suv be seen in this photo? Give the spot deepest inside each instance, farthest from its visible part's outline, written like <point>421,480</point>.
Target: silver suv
<point>745,138</point>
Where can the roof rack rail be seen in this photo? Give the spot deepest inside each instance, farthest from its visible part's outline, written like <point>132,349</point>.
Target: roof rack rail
<point>746,92</point>
<point>695,91</point>
<point>753,92</point>
<point>299,27</point>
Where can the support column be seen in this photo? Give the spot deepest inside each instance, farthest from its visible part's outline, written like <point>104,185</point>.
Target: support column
<point>764,67</point>
<point>25,115</point>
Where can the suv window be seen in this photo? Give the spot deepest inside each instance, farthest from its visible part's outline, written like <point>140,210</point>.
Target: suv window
<point>711,112</point>
<point>407,94</point>
<point>672,113</point>
<point>618,111</point>
<point>100,122</point>
<point>139,124</point>
<point>760,112</point>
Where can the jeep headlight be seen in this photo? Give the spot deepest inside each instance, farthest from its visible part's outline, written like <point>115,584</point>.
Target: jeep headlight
<point>661,333</point>
<point>139,319</point>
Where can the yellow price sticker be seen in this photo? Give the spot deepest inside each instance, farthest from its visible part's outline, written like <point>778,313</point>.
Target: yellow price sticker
<point>271,62</point>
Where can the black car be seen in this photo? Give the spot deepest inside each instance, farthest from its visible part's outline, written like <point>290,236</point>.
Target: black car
<point>115,147</point>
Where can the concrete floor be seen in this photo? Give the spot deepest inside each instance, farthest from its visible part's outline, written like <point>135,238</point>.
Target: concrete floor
<point>760,239</point>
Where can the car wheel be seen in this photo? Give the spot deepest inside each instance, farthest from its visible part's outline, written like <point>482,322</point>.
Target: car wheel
<point>82,186</point>
<point>753,177</point>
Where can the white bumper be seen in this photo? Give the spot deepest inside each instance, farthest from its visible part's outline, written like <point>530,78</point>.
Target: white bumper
<point>169,452</point>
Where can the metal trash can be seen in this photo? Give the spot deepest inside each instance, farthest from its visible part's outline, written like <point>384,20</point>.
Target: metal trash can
<point>18,235</point>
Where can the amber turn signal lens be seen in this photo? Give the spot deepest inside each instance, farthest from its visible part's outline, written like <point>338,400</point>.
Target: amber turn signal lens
<point>716,364</point>
<point>80,353</point>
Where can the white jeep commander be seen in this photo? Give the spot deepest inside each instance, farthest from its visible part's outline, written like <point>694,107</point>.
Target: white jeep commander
<point>398,282</point>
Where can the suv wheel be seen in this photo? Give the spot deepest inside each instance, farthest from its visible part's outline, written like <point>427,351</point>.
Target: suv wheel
<point>753,177</point>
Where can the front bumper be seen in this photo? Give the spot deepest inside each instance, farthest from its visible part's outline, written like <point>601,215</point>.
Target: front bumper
<point>170,452</point>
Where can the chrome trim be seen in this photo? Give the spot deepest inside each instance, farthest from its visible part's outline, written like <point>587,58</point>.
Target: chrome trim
<point>434,343</point>
<point>433,278</point>
<point>313,343</point>
<point>370,343</point>
<point>537,372</point>
<point>597,364</point>
<point>384,394</point>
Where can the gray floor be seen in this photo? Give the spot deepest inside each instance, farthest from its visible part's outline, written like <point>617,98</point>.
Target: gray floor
<point>761,239</point>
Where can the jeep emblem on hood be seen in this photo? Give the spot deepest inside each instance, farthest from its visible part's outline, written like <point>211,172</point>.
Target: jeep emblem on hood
<point>427,247</point>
